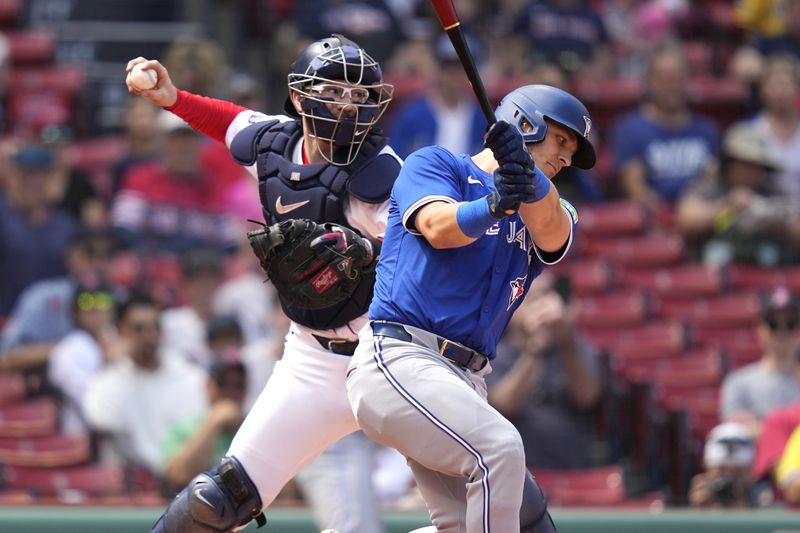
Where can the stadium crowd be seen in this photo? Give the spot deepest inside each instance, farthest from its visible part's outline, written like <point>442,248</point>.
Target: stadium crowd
<point>659,364</point>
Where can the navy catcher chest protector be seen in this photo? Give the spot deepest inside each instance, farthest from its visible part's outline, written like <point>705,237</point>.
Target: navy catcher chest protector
<point>316,192</point>
<point>534,103</point>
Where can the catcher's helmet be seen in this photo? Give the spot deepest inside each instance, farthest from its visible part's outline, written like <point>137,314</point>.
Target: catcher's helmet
<point>338,60</point>
<point>534,103</point>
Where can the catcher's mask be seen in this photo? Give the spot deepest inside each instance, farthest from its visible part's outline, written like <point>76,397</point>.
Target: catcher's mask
<point>343,95</point>
<point>534,103</point>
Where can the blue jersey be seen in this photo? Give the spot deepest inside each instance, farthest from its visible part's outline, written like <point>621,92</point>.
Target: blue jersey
<point>465,294</point>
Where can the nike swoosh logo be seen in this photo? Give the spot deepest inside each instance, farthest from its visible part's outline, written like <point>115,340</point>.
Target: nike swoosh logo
<point>198,493</point>
<point>360,132</point>
<point>283,209</point>
<point>473,181</point>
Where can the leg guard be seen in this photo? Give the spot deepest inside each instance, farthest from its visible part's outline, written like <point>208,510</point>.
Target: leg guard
<point>213,502</point>
<point>533,515</point>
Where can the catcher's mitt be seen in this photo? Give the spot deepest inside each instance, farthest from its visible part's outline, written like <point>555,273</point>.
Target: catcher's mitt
<point>312,265</point>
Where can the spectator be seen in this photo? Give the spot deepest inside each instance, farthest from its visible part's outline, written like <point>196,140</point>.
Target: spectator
<point>728,456</point>
<point>778,428</point>
<point>568,33</point>
<point>42,315</point>
<point>371,23</point>
<point>750,393</point>
<point>545,379</point>
<point>142,136</point>
<point>33,235</point>
<point>245,295</point>
<point>193,445</point>
<point>779,36</point>
<point>76,359</point>
<point>172,205</point>
<point>637,28</point>
<point>447,114</point>
<point>76,193</point>
<point>184,328</point>
<point>197,65</point>
<point>778,123</point>
<point>137,398</point>
<point>738,215</point>
<point>663,146</point>
<point>787,474</point>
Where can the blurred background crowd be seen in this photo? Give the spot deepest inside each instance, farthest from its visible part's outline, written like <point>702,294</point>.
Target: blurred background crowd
<point>659,365</point>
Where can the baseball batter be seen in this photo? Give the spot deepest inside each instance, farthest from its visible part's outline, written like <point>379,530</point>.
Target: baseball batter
<point>466,237</point>
<point>322,161</point>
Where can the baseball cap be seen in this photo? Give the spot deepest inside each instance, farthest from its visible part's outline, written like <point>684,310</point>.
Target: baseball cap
<point>34,157</point>
<point>223,367</point>
<point>729,444</point>
<point>780,301</point>
<point>744,143</point>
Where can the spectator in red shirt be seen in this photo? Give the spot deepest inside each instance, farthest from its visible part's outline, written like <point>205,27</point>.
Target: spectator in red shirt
<point>173,205</point>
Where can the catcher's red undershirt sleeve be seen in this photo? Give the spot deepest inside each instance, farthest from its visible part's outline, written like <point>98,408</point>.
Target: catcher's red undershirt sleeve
<point>206,115</point>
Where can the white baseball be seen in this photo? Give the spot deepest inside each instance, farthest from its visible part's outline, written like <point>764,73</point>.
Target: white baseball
<point>143,79</point>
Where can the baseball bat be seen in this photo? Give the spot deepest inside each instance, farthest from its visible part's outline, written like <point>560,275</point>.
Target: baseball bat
<point>452,26</point>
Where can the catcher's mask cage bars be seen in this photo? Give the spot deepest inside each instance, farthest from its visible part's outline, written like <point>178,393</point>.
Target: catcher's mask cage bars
<point>340,124</point>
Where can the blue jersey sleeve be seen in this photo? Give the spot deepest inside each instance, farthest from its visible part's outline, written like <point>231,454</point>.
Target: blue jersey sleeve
<point>428,175</point>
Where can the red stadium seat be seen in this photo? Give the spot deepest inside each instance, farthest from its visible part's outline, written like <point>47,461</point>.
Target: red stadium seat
<point>616,310</point>
<point>587,478</point>
<point>31,111</point>
<point>90,480</point>
<point>765,279</point>
<point>615,219</point>
<point>698,368</point>
<point>12,387</point>
<point>65,80</point>
<point>55,450</point>
<point>588,277</point>
<point>684,281</point>
<point>650,251</point>
<point>728,311</point>
<point>29,418</point>
<point>10,11</point>
<point>31,46</point>
<point>16,498</point>
<point>661,338</point>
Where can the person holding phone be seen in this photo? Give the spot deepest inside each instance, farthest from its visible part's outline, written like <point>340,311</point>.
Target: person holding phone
<point>545,378</point>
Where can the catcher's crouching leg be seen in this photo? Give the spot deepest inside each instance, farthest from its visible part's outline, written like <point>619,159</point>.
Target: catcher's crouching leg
<point>215,501</point>
<point>533,515</point>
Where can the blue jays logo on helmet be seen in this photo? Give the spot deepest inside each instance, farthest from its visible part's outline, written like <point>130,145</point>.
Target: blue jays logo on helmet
<point>534,103</point>
<point>331,62</point>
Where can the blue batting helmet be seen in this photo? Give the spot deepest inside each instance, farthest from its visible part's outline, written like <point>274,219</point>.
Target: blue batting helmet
<point>534,103</point>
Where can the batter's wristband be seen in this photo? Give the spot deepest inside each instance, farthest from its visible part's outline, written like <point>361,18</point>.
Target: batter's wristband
<point>542,185</point>
<point>474,217</point>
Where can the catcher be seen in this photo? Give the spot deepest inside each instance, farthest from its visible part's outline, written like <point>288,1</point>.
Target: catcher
<point>324,174</point>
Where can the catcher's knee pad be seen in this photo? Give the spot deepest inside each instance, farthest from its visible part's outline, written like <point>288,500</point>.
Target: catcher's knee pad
<point>533,515</point>
<point>215,501</point>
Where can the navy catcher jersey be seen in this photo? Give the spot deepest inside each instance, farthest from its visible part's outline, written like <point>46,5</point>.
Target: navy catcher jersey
<point>491,275</point>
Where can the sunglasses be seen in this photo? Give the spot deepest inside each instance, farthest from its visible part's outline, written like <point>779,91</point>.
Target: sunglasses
<point>90,301</point>
<point>141,327</point>
<point>785,324</point>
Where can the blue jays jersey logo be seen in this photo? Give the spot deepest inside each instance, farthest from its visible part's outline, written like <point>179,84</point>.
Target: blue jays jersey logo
<point>517,290</point>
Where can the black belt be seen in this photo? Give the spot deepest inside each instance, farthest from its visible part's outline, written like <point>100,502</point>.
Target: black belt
<point>340,346</point>
<point>457,353</point>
